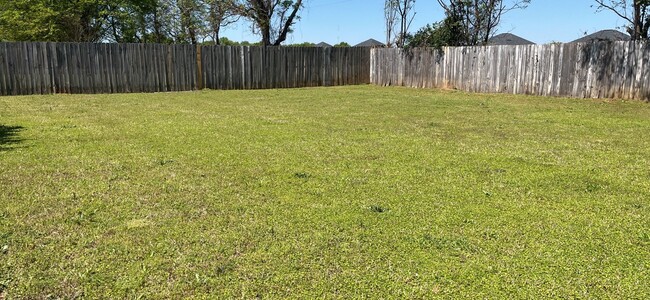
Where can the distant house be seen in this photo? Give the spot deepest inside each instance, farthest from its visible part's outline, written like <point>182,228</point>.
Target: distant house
<point>323,44</point>
<point>508,39</point>
<point>370,43</point>
<point>604,35</point>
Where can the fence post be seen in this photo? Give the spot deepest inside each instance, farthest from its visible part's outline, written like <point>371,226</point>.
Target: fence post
<point>199,68</point>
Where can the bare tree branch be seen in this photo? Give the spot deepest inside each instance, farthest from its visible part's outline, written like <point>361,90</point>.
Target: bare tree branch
<point>635,12</point>
<point>272,19</point>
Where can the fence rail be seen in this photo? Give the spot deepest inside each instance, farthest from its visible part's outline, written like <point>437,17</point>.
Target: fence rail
<point>584,70</point>
<point>42,68</point>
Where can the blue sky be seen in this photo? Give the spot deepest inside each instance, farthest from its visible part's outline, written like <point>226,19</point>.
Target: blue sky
<point>354,21</point>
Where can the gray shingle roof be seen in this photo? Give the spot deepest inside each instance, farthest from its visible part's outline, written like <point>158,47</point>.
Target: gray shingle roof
<point>370,43</point>
<point>323,44</point>
<point>604,35</point>
<point>508,39</point>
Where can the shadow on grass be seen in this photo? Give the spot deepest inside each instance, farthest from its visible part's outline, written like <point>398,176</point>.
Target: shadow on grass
<point>9,137</point>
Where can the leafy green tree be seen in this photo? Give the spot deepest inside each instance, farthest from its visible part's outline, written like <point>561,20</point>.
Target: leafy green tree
<point>226,42</point>
<point>247,43</point>
<point>449,32</point>
<point>431,35</point>
<point>19,17</point>
<point>143,21</point>
<point>190,21</point>
<point>47,20</point>
<point>132,21</point>
<point>342,44</point>
<point>179,21</point>
<point>305,44</point>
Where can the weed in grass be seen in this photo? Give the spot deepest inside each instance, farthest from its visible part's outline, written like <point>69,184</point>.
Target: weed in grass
<point>490,235</point>
<point>592,186</point>
<point>377,209</point>
<point>302,175</point>
<point>4,236</point>
<point>225,267</point>
<point>636,205</point>
<point>645,238</point>
<point>83,217</point>
<point>163,162</point>
<point>469,221</point>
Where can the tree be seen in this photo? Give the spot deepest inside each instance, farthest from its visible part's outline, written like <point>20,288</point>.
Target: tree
<point>227,42</point>
<point>191,16</point>
<point>304,44</point>
<point>635,12</point>
<point>123,21</point>
<point>57,21</point>
<point>161,22</point>
<point>390,16</point>
<point>128,21</point>
<point>404,8</point>
<point>342,44</point>
<point>157,21</point>
<point>81,21</point>
<point>179,21</point>
<point>247,43</point>
<point>272,19</point>
<point>400,12</point>
<point>477,20</point>
<point>24,20</point>
<point>435,35</point>
<point>221,13</point>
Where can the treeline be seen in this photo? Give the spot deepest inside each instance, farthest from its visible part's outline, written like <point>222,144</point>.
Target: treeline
<point>144,21</point>
<point>227,42</point>
<point>474,22</point>
<point>466,23</point>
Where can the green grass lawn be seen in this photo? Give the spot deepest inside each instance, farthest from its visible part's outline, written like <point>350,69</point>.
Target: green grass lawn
<point>344,192</point>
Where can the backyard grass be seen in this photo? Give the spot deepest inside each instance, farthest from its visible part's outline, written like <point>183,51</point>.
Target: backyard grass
<point>344,192</point>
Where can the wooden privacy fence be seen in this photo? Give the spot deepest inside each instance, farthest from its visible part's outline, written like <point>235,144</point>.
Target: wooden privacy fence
<point>585,70</point>
<point>283,67</point>
<point>42,68</point>
<point>596,70</point>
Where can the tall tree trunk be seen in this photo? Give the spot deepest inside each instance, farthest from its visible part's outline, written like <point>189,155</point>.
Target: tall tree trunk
<point>637,21</point>
<point>192,36</point>
<point>216,36</point>
<point>156,28</point>
<point>266,35</point>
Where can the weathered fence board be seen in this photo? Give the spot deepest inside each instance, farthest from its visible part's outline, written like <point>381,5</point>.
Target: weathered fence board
<point>41,68</point>
<point>589,70</point>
